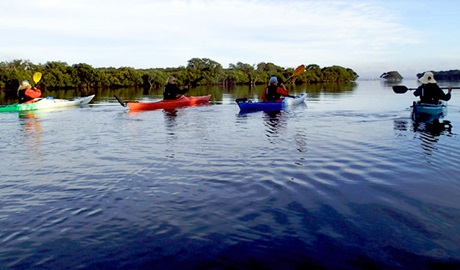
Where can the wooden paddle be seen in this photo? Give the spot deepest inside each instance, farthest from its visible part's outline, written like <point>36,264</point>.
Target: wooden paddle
<point>299,70</point>
<point>401,89</point>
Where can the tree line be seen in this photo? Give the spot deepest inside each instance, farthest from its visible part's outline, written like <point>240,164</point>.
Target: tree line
<point>448,75</point>
<point>198,71</point>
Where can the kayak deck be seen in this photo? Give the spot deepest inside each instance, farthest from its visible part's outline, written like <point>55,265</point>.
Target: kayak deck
<point>427,111</point>
<point>183,101</point>
<point>47,103</point>
<point>269,106</point>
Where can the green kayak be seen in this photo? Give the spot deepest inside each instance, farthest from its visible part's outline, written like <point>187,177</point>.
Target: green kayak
<point>47,103</point>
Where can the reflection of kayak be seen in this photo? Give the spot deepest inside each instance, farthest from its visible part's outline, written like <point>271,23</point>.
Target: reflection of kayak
<point>47,103</point>
<point>183,101</point>
<point>426,111</point>
<point>250,106</point>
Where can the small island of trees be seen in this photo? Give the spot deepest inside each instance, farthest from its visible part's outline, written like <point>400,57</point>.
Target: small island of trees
<point>392,76</point>
<point>60,75</point>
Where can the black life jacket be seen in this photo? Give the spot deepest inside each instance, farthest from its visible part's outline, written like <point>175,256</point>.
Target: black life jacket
<point>22,96</point>
<point>431,94</point>
<point>172,91</point>
<point>271,92</point>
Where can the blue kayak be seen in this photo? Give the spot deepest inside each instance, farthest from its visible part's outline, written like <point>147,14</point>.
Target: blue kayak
<point>269,106</point>
<point>427,112</point>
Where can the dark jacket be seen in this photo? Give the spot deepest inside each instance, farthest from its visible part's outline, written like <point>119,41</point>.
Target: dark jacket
<point>273,93</point>
<point>171,91</point>
<point>25,95</point>
<point>431,93</point>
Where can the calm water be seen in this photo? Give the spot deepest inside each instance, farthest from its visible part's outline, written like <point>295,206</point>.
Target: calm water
<point>346,181</point>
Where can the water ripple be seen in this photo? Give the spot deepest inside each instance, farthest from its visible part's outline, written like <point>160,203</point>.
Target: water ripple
<point>206,187</point>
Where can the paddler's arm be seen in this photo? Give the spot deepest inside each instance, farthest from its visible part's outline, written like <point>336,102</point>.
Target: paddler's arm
<point>185,90</point>
<point>33,92</point>
<point>182,92</point>
<point>283,91</point>
<point>447,96</point>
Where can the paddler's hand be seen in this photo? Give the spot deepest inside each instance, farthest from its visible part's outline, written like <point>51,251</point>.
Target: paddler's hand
<point>449,90</point>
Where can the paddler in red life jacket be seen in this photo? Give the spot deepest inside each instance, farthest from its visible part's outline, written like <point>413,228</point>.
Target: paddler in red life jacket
<point>27,93</point>
<point>273,91</point>
<point>172,91</point>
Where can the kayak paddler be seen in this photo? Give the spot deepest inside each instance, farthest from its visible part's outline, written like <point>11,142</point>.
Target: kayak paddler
<point>274,91</point>
<point>27,93</point>
<point>429,91</point>
<point>171,91</point>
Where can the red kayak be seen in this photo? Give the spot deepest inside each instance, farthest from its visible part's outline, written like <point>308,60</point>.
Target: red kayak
<point>183,101</point>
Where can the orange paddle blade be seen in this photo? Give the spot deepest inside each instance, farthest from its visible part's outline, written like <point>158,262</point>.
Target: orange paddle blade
<point>298,70</point>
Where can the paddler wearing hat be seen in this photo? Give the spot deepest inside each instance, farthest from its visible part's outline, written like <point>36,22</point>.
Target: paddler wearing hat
<point>26,93</point>
<point>429,91</point>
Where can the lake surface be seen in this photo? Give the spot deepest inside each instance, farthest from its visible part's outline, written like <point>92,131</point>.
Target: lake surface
<point>346,181</point>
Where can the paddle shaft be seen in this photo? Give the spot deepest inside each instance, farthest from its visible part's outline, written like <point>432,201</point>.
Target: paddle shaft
<point>288,79</point>
<point>439,87</point>
<point>120,101</point>
<point>401,89</point>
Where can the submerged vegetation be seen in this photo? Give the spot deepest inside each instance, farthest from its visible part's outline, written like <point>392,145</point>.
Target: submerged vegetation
<point>198,71</point>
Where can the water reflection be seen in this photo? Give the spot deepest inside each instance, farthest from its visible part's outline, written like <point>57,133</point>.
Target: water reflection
<point>170,120</point>
<point>433,128</point>
<point>275,123</point>
<point>218,92</point>
<point>32,132</point>
<point>429,132</point>
<point>314,90</point>
<point>389,83</point>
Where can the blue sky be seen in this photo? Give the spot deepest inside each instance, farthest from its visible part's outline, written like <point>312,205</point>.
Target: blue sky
<point>371,37</point>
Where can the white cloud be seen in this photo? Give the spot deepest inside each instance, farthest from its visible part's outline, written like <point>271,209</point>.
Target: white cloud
<point>162,33</point>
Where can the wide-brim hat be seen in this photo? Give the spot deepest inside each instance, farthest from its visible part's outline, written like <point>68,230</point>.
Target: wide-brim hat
<point>24,85</point>
<point>427,77</point>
